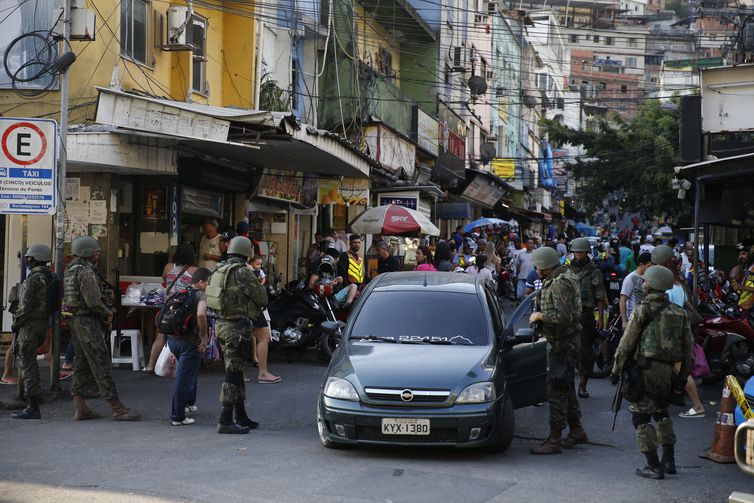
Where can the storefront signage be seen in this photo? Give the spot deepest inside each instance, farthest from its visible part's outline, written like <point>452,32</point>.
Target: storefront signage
<point>281,185</point>
<point>503,168</point>
<point>351,191</point>
<point>405,201</point>
<point>174,222</point>
<point>390,150</point>
<point>28,166</point>
<point>483,191</point>
<point>425,131</point>
<point>452,143</point>
<point>201,202</point>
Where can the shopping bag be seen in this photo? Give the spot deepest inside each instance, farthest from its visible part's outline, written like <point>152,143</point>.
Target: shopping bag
<point>166,363</point>
<point>701,367</point>
<point>212,353</point>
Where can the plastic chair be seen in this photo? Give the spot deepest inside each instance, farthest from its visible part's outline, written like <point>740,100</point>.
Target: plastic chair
<point>136,359</point>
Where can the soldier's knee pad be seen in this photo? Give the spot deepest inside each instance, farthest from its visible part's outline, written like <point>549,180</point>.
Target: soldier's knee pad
<point>234,377</point>
<point>638,419</point>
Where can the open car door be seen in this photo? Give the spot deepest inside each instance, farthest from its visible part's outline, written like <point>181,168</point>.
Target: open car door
<point>525,360</point>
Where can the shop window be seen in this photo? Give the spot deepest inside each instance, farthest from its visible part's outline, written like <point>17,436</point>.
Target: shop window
<point>199,42</point>
<point>135,42</point>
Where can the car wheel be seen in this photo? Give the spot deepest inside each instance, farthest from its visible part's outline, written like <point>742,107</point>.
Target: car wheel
<point>503,433</point>
<point>322,430</point>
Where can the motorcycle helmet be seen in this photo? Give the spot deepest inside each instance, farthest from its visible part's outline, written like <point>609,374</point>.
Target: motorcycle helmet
<point>326,266</point>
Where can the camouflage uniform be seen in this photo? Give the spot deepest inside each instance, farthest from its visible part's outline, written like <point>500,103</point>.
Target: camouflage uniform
<point>241,300</point>
<point>658,340</point>
<point>592,290</point>
<point>83,296</point>
<point>560,305</point>
<point>33,322</point>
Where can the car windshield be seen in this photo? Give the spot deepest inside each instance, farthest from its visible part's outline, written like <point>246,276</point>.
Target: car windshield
<point>430,317</point>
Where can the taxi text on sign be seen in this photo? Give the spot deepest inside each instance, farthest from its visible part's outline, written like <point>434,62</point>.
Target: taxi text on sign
<point>28,166</point>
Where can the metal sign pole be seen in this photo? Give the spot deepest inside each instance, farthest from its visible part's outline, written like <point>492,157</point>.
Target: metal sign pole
<point>60,220</point>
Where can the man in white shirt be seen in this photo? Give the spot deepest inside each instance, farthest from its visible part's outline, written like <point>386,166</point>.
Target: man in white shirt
<point>686,257</point>
<point>648,245</point>
<point>340,245</point>
<point>632,291</point>
<point>209,246</point>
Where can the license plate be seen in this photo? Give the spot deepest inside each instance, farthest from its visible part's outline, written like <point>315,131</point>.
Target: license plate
<point>405,426</point>
<point>614,285</point>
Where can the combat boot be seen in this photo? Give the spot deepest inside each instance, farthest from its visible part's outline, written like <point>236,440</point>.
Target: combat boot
<point>653,470</point>
<point>242,419</point>
<point>583,393</point>
<point>120,412</point>
<point>552,445</point>
<point>668,459</point>
<point>82,412</point>
<point>226,425</point>
<point>576,435</point>
<point>31,411</point>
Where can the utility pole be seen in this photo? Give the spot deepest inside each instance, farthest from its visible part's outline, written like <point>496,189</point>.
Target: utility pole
<point>60,221</point>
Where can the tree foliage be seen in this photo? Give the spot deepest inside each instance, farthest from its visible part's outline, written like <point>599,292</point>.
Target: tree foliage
<point>632,159</point>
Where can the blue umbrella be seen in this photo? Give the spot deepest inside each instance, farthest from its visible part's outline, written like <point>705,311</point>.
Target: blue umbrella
<point>482,222</point>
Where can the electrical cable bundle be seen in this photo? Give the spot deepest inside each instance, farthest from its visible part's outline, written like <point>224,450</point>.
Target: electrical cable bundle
<point>44,62</point>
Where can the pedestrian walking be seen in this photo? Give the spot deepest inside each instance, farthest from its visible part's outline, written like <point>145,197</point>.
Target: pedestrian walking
<point>90,324</point>
<point>559,317</point>
<point>523,264</point>
<point>592,292</point>
<point>37,297</point>
<point>236,295</point>
<point>261,331</point>
<point>187,347</point>
<point>660,335</point>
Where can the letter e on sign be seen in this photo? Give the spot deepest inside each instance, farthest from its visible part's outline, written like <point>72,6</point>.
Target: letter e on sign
<point>24,143</point>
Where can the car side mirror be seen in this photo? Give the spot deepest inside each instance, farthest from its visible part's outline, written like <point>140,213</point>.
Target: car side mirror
<point>331,327</point>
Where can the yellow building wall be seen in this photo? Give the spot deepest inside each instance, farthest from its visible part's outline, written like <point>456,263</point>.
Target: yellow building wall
<point>370,36</point>
<point>168,75</point>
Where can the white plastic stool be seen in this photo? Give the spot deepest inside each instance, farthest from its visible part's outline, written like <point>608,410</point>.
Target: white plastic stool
<point>137,349</point>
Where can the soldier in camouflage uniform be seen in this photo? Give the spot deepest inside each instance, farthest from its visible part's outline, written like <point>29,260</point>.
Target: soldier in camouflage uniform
<point>592,289</point>
<point>658,336</point>
<point>31,323</point>
<point>240,297</point>
<point>559,315</point>
<point>89,326</point>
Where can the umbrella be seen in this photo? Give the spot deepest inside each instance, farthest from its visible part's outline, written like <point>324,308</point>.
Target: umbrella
<point>482,222</point>
<point>393,220</point>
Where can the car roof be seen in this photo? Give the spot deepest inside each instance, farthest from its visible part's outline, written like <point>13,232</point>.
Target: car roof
<point>421,280</point>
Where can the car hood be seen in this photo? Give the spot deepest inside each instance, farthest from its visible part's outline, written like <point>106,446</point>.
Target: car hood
<point>418,366</point>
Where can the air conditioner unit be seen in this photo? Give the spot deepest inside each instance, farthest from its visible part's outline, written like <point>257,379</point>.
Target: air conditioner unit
<point>458,59</point>
<point>178,20</point>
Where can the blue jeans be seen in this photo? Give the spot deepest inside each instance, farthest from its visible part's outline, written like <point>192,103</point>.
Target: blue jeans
<point>186,373</point>
<point>520,289</point>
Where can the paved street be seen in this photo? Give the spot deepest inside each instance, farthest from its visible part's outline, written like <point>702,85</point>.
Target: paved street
<point>57,459</point>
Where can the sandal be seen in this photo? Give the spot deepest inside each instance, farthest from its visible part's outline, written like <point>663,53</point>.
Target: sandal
<point>269,381</point>
<point>8,380</point>
<point>691,413</point>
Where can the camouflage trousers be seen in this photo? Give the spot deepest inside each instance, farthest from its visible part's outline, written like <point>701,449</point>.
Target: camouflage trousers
<point>92,364</point>
<point>654,405</point>
<point>235,341</point>
<point>31,335</point>
<point>586,359</point>
<point>561,391</point>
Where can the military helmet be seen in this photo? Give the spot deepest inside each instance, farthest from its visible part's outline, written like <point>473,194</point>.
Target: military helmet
<point>85,246</point>
<point>40,253</point>
<point>659,278</point>
<point>545,258</point>
<point>580,245</point>
<point>240,245</point>
<point>661,253</point>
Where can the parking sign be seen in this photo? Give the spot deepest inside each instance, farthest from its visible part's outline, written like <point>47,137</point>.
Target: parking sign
<point>28,166</point>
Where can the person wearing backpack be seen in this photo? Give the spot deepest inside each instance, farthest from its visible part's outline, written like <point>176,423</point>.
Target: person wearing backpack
<point>38,298</point>
<point>184,320</point>
<point>235,294</point>
<point>89,324</point>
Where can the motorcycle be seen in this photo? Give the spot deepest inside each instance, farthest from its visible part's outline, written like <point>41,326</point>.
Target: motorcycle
<point>727,336</point>
<point>506,288</point>
<point>295,318</point>
<point>325,290</point>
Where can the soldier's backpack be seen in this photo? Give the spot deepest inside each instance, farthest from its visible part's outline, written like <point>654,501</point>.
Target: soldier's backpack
<point>53,294</point>
<point>216,284</point>
<point>177,316</point>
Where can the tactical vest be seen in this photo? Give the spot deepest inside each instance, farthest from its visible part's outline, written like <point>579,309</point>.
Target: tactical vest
<point>661,338</point>
<point>355,269</point>
<point>38,307</point>
<point>71,289</point>
<point>234,304</point>
<point>584,276</point>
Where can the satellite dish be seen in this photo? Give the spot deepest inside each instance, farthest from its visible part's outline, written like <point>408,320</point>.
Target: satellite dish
<point>487,152</point>
<point>477,85</point>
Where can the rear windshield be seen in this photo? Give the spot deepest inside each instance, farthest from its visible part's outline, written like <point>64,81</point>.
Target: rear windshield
<point>416,315</point>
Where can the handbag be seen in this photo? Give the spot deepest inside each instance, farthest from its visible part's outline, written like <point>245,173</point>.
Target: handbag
<point>166,363</point>
<point>701,367</point>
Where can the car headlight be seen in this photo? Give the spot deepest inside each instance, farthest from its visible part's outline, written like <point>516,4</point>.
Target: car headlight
<point>339,388</point>
<point>477,393</point>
